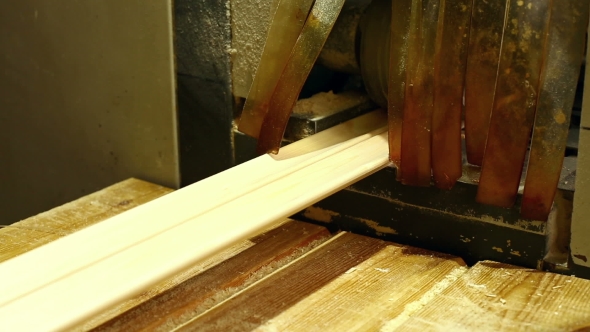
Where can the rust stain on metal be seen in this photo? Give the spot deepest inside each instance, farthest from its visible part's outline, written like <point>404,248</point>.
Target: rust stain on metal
<point>381,230</point>
<point>515,103</point>
<point>449,69</point>
<point>498,249</point>
<point>582,257</point>
<point>565,49</point>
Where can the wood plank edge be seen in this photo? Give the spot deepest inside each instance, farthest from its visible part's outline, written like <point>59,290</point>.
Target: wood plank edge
<point>262,280</point>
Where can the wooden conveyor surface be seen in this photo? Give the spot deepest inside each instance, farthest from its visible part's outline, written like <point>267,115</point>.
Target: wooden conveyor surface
<point>299,277</point>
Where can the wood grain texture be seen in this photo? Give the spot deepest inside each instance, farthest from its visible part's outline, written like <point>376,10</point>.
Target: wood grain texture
<point>192,297</point>
<point>501,297</point>
<point>351,282</point>
<point>43,228</point>
<point>127,254</point>
<point>375,294</point>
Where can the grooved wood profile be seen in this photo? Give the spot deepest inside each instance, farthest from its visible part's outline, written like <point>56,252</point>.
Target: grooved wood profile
<point>103,265</point>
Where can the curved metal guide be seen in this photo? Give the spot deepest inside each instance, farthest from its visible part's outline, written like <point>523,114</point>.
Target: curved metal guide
<point>565,51</point>
<point>305,52</point>
<point>485,41</point>
<point>398,58</point>
<point>287,22</point>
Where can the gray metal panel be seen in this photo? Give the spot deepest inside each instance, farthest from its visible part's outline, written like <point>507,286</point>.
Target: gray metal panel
<point>86,99</point>
<point>205,101</point>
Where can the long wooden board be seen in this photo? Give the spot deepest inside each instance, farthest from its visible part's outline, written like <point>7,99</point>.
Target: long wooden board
<point>126,254</point>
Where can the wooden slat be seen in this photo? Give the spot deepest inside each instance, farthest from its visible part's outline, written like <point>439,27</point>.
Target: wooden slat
<point>43,228</point>
<point>131,226</point>
<point>192,297</point>
<point>191,232</point>
<point>350,283</point>
<point>501,297</point>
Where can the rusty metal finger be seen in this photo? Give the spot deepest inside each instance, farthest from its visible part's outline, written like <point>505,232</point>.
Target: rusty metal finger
<point>449,78</point>
<point>305,52</point>
<point>515,101</point>
<point>565,51</point>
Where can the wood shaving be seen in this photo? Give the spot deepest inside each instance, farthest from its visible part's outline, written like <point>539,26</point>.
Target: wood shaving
<point>476,286</point>
<point>352,269</point>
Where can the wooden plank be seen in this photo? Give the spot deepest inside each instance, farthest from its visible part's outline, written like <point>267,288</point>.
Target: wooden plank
<point>68,218</point>
<point>501,297</point>
<point>43,228</point>
<point>201,292</point>
<point>387,287</point>
<point>217,190</point>
<point>191,233</point>
<point>351,282</point>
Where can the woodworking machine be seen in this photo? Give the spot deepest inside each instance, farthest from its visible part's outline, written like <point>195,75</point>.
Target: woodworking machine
<point>350,77</point>
<point>428,63</point>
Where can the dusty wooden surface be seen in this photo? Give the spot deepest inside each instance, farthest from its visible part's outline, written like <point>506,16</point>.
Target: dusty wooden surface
<point>500,297</point>
<point>375,294</point>
<point>43,228</point>
<point>351,282</point>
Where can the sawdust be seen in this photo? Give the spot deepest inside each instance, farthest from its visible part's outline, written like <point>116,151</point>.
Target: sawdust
<point>378,228</point>
<point>327,103</point>
<point>319,214</point>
